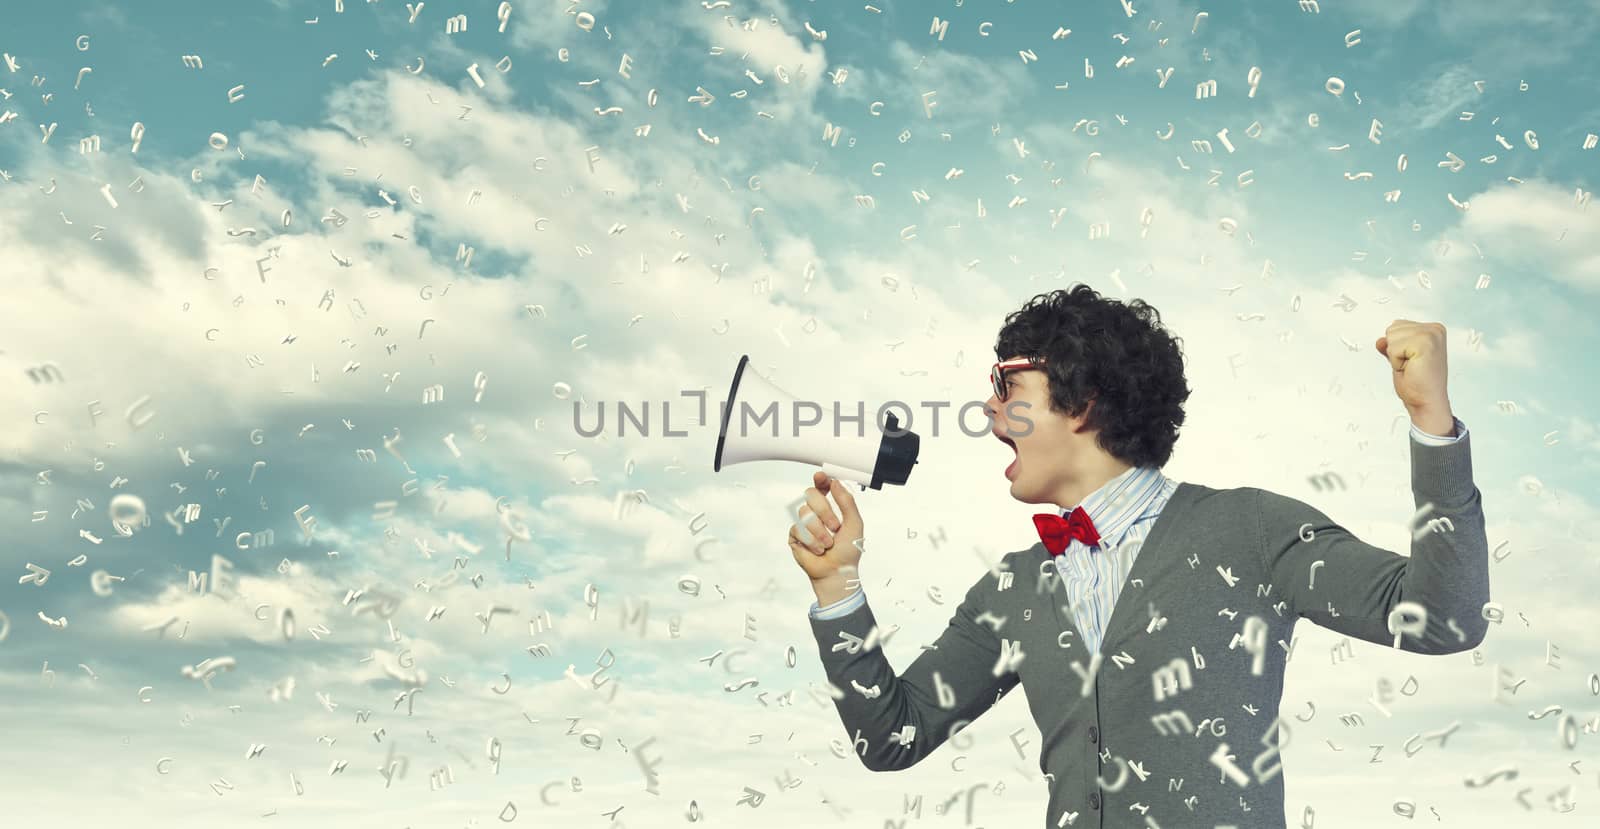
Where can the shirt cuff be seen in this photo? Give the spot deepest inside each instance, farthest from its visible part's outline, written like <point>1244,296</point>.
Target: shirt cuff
<point>1439,440</point>
<point>843,607</point>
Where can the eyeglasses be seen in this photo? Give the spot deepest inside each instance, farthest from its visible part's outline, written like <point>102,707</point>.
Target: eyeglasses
<point>997,375</point>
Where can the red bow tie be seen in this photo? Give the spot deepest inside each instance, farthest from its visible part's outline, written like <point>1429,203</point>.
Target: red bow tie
<point>1056,531</point>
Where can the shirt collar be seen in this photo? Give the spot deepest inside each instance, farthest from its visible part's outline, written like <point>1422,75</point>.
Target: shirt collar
<point>1119,502</point>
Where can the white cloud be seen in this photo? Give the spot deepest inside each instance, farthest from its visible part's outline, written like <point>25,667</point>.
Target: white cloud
<point>1507,217</point>
<point>219,615</point>
<point>967,90</point>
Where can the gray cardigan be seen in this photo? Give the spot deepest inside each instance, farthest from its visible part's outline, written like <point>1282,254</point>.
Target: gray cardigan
<point>1171,724</point>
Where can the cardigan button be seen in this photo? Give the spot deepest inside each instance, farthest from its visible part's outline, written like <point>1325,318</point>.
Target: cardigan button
<point>1094,800</point>
<point>1094,734</point>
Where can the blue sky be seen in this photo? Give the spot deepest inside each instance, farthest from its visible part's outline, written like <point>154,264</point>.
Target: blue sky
<point>669,302</point>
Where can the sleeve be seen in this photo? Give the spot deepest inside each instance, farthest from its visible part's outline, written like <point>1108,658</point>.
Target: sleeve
<point>840,608</point>
<point>898,720</point>
<point>1329,576</point>
<point>1439,440</point>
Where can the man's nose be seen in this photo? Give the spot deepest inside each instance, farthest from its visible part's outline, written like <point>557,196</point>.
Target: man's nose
<point>991,407</point>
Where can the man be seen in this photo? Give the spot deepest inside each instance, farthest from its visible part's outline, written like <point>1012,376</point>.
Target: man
<point>1150,627</point>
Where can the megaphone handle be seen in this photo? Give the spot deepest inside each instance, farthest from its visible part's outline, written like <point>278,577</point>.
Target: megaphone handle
<point>847,474</point>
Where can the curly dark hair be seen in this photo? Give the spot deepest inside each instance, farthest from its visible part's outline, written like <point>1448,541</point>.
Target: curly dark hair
<point>1114,352</point>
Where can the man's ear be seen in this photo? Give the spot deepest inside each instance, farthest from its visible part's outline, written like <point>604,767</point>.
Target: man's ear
<point>1080,420</point>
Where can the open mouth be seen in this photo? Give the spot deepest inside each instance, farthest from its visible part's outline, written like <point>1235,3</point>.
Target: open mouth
<point>1011,469</point>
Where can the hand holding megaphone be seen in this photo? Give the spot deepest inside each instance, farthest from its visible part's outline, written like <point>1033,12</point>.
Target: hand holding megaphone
<point>823,541</point>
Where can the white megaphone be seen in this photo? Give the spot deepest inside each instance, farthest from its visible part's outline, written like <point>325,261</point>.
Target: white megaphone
<point>871,459</point>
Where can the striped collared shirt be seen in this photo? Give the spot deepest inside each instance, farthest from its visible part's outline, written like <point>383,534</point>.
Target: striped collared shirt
<point>1123,510</point>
